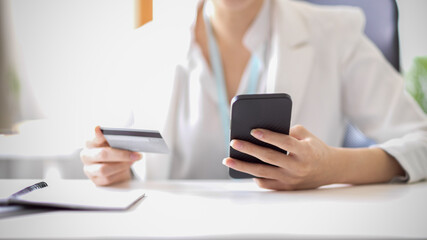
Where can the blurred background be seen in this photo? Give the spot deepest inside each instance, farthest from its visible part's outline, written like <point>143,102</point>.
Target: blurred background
<point>67,65</point>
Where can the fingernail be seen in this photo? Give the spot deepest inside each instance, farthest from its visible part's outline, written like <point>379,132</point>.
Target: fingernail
<point>224,161</point>
<point>135,156</point>
<point>236,144</point>
<point>257,133</point>
<point>228,163</point>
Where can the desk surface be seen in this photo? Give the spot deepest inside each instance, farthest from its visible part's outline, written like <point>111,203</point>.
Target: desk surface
<point>235,209</point>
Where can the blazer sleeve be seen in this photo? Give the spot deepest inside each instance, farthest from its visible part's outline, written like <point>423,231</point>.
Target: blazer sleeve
<point>375,101</point>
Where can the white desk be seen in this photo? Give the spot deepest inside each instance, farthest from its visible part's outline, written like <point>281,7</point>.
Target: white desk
<point>236,209</point>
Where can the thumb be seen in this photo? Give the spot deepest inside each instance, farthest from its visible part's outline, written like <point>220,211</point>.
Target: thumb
<point>99,139</point>
<point>299,132</point>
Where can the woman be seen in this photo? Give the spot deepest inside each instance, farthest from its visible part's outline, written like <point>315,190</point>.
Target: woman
<point>317,55</point>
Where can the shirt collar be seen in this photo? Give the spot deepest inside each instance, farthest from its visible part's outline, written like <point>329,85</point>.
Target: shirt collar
<point>258,33</point>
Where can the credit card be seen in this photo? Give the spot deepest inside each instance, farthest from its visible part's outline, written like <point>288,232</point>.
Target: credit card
<point>136,140</point>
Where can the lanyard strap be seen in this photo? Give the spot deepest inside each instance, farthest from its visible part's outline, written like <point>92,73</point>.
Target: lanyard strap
<point>215,59</point>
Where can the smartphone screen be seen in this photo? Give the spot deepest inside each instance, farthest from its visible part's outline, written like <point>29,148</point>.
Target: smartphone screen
<point>249,111</point>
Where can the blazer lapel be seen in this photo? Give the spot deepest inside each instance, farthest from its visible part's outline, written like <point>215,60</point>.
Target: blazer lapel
<point>292,55</point>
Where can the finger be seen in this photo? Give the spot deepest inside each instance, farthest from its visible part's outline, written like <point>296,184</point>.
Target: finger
<point>108,154</point>
<point>264,154</point>
<point>116,178</point>
<point>272,184</point>
<point>267,183</point>
<point>99,140</point>
<point>105,169</point>
<point>280,140</point>
<point>255,169</point>
<point>299,132</point>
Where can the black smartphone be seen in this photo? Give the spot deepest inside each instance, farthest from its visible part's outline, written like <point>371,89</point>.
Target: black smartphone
<point>249,111</point>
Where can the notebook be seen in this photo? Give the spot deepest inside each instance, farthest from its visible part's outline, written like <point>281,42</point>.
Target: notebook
<point>74,195</point>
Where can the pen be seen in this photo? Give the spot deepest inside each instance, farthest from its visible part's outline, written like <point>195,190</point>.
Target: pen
<point>29,189</point>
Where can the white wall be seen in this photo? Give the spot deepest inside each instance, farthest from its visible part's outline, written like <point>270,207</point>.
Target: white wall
<point>64,47</point>
<point>69,48</point>
<point>413,30</point>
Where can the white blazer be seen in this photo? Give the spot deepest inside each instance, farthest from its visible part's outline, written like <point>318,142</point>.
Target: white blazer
<point>334,74</point>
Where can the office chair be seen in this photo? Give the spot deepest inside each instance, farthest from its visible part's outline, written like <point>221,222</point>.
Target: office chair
<point>382,28</point>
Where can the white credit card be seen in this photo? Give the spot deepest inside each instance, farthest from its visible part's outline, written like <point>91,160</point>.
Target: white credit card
<point>136,140</point>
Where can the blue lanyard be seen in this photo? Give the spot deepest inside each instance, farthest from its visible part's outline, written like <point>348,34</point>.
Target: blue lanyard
<point>215,59</point>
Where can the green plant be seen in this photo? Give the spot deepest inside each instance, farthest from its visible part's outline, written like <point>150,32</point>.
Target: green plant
<point>416,81</point>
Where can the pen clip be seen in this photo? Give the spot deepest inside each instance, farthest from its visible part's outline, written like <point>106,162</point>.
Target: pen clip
<point>29,189</point>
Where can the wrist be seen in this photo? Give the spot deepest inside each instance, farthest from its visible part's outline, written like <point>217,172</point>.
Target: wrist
<point>364,166</point>
<point>338,166</point>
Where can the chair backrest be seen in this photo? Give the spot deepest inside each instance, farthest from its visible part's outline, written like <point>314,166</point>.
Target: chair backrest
<point>381,24</point>
<point>382,28</point>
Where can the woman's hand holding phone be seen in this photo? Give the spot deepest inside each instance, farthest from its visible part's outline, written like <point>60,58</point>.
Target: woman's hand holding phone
<point>105,165</point>
<point>311,163</point>
<point>308,164</point>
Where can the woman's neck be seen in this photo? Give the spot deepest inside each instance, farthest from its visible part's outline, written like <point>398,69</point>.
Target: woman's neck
<point>230,25</point>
